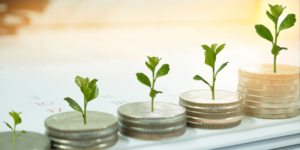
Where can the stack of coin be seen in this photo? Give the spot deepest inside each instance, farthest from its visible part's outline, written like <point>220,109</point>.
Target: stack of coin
<point>270,95</point>
<point>26,141</point>
<point>138,121</point>
<point>225,111</point>
<point>68,131</point>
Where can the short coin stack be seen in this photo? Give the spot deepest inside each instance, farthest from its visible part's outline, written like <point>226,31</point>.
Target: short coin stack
<point>68,131</point>
<point>226,111</point>
<point>138,121</point>
<point>270,95</point>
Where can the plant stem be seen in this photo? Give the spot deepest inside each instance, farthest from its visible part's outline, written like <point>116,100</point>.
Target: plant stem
<point>152,88</point>
<point>213,86</point>
<point>84,115</point>
<point>14,132</point>
<point>276,36</point>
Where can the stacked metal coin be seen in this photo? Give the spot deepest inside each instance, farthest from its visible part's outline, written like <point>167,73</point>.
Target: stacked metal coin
<point>138,121</point>
<point>68,131</point>
<point>270,95</point>
<point>225,111</point>
<point>26,141</point>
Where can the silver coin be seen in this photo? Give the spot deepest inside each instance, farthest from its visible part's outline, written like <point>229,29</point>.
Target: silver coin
<point>220,109</point>
<point>96,147</point>
<point>69,125</point>
<point>142,111</point>
<point>26,141</point>
<point>85,143</point>
<point>203,98</point>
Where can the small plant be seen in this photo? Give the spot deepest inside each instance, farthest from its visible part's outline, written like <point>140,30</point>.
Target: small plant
<point>17,120</point>
<point>90,91</point>
<point>265,33</point>
<point>210,59</point>
<point>164,69</point>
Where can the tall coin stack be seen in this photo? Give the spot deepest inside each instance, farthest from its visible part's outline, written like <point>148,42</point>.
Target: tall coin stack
<point>225,111</point>
<point>270,95</point>
<point>68,131</point>
<point>138,121</point>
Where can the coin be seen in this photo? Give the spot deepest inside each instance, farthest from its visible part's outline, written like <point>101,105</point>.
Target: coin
<point>266,81</point>
<point>69,125</point>
<point>270,99</point>
<point>85,143</point>
<point>213,126</point>
<point>142,111</point>
<point>138,121</point>
<point>269,87</point>
<point>273,116</point>
<point>96,147</point>
<point>211,110</point>
<point>150,134</point>
<point>268,93</point>
<point>26,141</point>
<point>213,121</point>
<point>271,105</point>
<point>214,116</point>
<point>265,71</point>
<point>203,98</point>
<point>259,110</point>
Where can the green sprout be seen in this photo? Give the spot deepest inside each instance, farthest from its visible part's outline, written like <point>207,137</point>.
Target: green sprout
<point>17,120</point>
<point>90,91</point>
<point>210,60</point>
<point>265,33</point>
<point>164,69</point>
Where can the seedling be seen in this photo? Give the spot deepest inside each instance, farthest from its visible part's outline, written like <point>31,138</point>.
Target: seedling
<point>90,91</point>
<point>164,69</point>
<point>210,59</point>
<point>17,120</point>
<point>265,33</point>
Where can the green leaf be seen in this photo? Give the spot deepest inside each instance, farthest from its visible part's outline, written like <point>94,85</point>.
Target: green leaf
<point>154,61</point>
<point>143,79</point>
<point>78,80</point>
<point>219,49</point>
<point>264,32</point>
<point>86,81</point>
<point>8,125</point>
<point>288,22</point>
<point>95,90</point>
<point>149,66</point>
<point>197,77</point>
<point>205,47</point>
<point>21,132</point>
<point>18,120</point>
<point>73,104</point>
<point>164,69</point>
<point>276,49</point>
<point>277,10</point>
<point>213,47</point>
<point>210,58</point>
<point>154,92</point>
<point>271,17</point>
<point>221,67</point>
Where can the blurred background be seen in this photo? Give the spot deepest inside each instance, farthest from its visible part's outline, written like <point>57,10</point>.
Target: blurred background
<point>48,31</point>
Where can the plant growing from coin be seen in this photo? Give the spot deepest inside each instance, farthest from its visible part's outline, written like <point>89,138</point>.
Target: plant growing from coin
<point>17,120</point>
<point>89,90</point>
<point>164,69</point>
<point>210,60</point>
<point>265,33</point>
